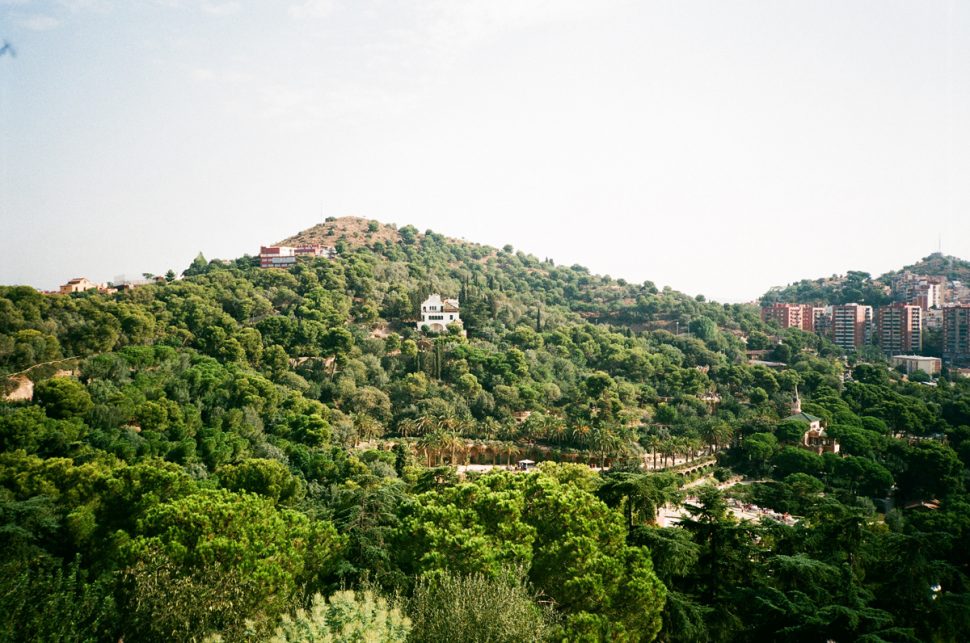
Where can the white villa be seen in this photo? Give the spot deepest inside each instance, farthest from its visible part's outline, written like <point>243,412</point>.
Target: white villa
<point>437,313</point>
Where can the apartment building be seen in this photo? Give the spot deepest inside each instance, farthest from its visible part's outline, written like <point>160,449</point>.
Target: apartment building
<point>785,315</point>
<point>801,316</point>
<point>956,333</point>
<point>851,326</point>
<point>900,329</point>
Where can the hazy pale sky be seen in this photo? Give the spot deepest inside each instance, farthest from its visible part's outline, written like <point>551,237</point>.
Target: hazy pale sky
<point>717,147</point>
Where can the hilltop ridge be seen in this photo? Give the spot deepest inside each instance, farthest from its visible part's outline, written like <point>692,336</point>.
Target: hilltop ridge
<point>861,287</point>
<point>514,276</point>
<point>949,266</point>
<point>357,232</point>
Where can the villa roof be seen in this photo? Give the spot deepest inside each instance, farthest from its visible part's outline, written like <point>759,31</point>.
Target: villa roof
<point>805,417</point>
<point>448,304</point>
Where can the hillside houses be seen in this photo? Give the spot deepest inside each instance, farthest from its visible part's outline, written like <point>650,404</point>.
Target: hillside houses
<point>79,284</point>
<point>83,284</point>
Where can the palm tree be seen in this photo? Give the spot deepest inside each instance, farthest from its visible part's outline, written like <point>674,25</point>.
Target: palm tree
<point>681,445</point>
<point>509,431</point>
<point>431,443</point>
<point>723,434</point>
<point>449,425</point>
<point>696,444</point>
<point>677,449</point>
<point>534,428</point>
<point>511,449</point>
<point>652,441</point>
<point>454,443</point>
<point>555,429</point>
<point>668,450</point>
<point>493,445</point>
<point>580,434</point>
<point>366,427</point>
<point>405,428</point>
<point>603,440</point>
<point>714,433</point>
<point>489,428</point>
<point>413,426</point>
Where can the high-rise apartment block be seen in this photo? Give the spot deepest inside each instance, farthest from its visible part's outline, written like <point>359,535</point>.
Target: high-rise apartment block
<point>900,329</point>
<point>851,326</point>
<point>956,333</point>
<point>785,315</point>
<point>897,328</point>
<point>815,318</point>
<point>801,316</point>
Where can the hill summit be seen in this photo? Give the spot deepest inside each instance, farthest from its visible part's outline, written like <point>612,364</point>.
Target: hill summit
<point>953,268</point>
<point>354,231</point>
<point>358,232</point>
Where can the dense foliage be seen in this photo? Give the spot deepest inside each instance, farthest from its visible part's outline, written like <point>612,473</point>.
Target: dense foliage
<point>249,452</point>
<point>853,287</point>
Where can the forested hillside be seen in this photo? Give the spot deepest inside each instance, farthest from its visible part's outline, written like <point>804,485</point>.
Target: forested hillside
<point>853,287</point>
<point>252,454</point>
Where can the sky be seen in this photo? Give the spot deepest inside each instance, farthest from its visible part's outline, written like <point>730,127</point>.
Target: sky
<point>717,147</point>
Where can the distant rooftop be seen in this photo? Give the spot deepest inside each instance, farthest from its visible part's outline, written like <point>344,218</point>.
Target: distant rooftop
<point>807,417</point>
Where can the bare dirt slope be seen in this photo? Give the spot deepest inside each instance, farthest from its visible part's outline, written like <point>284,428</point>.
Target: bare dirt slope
<point>23,389</point>
<point>354,231</point>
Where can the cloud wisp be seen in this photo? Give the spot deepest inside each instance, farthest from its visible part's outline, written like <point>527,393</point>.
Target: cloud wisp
<point>312,9</point>
<point>39,22</point>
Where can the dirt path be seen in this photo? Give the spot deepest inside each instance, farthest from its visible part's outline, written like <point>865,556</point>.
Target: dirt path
<point>56,361</point>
